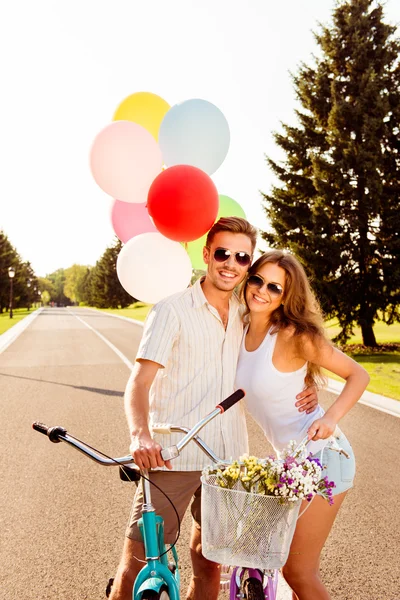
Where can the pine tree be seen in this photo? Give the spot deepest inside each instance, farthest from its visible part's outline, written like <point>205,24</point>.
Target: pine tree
<point>337,206</point>
<point>105,289</point>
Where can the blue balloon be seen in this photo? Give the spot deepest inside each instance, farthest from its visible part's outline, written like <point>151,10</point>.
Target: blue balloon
<point>194,132</point>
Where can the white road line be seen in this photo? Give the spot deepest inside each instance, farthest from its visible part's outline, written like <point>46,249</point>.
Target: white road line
<point>105,340</point>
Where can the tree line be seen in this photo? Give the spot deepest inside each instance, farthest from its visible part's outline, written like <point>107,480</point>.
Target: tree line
<point>79,284</point>
<point>25,283</point>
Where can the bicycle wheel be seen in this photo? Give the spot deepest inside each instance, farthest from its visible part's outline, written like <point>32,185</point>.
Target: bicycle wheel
<point>151,595</point>
<point>253,589</point>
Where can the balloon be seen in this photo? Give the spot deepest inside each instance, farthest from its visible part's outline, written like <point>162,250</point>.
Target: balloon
<point>151,267</point>
<point>183,203</point>
<point>124,160</point>
<point>195,252</point>
<point>129,219</point>
<point>227,208</point>
<point>195,133</point>
<point>144,108</point>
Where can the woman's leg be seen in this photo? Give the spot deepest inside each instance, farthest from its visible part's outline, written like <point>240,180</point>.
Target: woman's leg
<point>301,570</point>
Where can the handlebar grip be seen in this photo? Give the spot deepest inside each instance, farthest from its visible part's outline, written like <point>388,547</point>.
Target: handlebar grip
<point>53,433</point>
<point>41,427</point>
<point>231,400</point>
<point>161,428</point>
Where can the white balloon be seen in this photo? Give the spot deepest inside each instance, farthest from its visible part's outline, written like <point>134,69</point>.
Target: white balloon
<point>151,267</point>
<point>194,132</point>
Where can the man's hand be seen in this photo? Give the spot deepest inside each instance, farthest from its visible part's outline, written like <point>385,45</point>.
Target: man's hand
<point>147,453</point>
<point>307,400</point>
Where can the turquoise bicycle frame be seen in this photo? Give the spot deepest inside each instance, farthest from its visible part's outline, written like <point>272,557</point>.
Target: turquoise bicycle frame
<point>156,573</point>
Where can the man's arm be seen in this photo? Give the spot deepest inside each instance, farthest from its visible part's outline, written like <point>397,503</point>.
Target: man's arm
<point>145,451</point>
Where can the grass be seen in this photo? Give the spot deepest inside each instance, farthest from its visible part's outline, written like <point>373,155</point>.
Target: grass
<point>18,314</point>
<point>384,370</point>
<point>383,333</point>
<point>136,311</point>
<point>382,364</point>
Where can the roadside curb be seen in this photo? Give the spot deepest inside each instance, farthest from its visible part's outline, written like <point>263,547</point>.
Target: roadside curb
<point>382,403</point>
<point>8,337</point>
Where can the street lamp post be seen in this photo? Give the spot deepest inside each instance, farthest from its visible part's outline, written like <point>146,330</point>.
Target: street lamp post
<point>11,273</point>
<point>28,285</point>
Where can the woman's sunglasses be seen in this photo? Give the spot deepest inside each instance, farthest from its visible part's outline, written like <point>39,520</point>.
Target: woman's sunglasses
<point>274,289</point>
<point>242,258</point>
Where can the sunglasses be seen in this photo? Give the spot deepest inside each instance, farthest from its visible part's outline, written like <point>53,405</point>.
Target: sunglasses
<point>242,258</point>
<point>256,281</point>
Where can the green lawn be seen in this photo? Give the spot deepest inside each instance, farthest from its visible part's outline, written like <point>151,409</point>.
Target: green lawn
<point>383,333</point>
<point>134,311</point>
<point>384,370</point>
<point>18,314</point>
<point>383,365</point>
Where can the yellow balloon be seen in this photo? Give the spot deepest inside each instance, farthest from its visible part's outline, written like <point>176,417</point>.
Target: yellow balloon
<point>145,109</point>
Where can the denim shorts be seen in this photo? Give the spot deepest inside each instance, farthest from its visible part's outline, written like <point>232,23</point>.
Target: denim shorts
<point>338,468</point>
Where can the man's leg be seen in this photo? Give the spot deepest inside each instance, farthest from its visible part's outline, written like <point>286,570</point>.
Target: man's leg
<point>179,487</point>
<point>128,569</point>
<point>205,573</point>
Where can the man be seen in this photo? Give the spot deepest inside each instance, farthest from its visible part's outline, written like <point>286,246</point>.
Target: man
<point>185,365</point>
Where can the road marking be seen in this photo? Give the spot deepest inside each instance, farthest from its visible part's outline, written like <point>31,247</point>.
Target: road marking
<point>105,340</point>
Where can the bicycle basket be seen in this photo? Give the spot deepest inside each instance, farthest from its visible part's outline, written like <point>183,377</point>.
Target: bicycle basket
<point>246,529</point>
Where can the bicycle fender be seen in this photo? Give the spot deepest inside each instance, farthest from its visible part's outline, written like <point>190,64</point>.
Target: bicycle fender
<point>152,583</point>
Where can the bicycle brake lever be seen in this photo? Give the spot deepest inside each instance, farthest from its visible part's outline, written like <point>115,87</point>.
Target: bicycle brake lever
<point>170,453</point>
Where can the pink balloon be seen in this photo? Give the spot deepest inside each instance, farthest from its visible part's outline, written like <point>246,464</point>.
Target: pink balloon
<point>124,160</point>
<point>129,219</point>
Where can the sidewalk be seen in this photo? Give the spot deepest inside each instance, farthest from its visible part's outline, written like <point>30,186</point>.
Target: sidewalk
<point>382,403</point>
<point>11,334</point>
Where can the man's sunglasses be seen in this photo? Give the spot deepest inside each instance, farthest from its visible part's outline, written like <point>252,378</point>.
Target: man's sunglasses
<point>242,258</point>
<point>256,281</point>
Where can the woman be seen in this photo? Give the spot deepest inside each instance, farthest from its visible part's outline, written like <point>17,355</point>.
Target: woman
<point>283,350</point>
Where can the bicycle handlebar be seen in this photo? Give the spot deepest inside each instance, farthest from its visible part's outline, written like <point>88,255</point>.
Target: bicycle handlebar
<point>59,434</point>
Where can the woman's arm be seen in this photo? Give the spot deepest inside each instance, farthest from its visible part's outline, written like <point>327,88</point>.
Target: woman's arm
<point>326,356</point>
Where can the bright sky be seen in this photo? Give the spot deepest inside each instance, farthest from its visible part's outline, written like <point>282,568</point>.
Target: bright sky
<point>66,66</point>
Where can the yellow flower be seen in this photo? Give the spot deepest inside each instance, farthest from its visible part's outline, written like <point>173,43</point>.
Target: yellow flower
<point>270,482</point>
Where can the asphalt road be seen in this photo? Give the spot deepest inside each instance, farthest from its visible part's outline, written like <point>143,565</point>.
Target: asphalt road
<point>63,517</point>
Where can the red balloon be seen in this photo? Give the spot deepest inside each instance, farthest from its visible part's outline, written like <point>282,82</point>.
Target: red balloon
<point>183,202</point>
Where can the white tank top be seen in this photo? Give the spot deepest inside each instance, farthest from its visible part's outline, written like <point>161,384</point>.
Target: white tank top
<point>271,396</point>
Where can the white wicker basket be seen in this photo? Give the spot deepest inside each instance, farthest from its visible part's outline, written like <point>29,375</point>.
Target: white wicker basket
<point>245,529</point>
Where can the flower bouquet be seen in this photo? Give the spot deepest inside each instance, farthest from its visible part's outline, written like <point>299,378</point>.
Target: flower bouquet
<point>250,508</point>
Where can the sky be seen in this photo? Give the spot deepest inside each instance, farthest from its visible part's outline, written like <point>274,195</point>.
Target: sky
<point>67,65</point>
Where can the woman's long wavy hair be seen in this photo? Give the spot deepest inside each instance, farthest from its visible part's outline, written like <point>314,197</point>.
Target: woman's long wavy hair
<point>299,310</point>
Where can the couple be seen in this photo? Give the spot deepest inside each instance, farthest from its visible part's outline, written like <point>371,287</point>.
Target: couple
<point>193,347</point>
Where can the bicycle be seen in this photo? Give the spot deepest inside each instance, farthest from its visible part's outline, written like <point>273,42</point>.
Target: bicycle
<point>158,579</point>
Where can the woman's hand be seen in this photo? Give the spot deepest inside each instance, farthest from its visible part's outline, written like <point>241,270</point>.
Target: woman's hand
<point>322,428</point>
